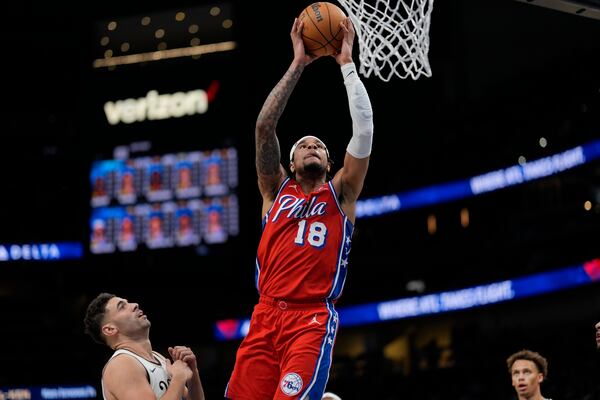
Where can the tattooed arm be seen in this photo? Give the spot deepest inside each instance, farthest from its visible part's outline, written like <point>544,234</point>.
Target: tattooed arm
<point>268,155</point>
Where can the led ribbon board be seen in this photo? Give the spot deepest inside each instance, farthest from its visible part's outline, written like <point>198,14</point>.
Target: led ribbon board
<point>437,303</point>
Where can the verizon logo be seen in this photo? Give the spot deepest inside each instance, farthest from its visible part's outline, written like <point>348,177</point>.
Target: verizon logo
<point>159,106</point>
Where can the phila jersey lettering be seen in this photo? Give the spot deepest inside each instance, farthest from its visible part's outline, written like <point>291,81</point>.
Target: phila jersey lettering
<point>303,251</point>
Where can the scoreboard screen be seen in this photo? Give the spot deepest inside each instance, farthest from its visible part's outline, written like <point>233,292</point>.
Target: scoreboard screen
<point>162,201</point>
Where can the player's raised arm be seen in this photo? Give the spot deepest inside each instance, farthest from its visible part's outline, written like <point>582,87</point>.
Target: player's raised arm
<point>350,179</point>
<point>268,155</point>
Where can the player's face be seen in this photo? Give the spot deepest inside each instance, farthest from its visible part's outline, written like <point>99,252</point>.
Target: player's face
<point>526,378</point>
<point>127,225</point>
<point>184,222</point>
<point>598,335</point>
<point>214,217</point>
<point>185,177</point>
<point>155,226</point>
<point>127,317</point>
<point>213,174</point>
<point>310,155</point>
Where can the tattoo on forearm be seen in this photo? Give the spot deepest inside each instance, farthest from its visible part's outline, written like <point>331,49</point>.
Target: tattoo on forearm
<point>267,146</point>
<point>278,98</point>
<point>267,155</point>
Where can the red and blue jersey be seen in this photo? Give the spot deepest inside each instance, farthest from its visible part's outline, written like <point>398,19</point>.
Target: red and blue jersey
<point>303,251</point>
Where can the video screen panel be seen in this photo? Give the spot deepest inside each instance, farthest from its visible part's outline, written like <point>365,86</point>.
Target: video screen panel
<point>163,201</point>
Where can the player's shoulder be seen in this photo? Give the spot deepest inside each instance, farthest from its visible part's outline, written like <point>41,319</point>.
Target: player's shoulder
<point>122,363</point>
<point>270,185</point>
<point>125,377</point>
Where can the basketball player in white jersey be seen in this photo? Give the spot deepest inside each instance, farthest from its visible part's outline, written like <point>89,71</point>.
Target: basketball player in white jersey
<point>135,372</point>
<point>528,369</point>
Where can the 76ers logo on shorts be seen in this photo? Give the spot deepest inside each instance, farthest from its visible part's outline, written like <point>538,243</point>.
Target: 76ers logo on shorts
<point>291,384</point>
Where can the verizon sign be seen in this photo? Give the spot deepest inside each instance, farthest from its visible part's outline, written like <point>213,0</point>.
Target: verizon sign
<point>156,106</point>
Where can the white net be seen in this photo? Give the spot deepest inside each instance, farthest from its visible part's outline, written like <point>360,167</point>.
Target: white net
<point>393,36</point>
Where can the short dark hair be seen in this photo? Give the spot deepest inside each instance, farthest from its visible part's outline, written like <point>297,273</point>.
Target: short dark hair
<point>540,362</point>
<point>94,316</point>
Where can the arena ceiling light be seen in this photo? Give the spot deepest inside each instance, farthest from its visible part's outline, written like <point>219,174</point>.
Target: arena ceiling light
<point>164,54</point>
<point>166,34</point>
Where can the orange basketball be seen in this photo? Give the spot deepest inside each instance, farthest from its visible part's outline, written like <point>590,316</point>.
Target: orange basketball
<point>322,34</point>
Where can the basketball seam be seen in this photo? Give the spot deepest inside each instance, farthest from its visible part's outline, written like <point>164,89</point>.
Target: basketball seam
<point>317,28</point>
<point>333,36</point>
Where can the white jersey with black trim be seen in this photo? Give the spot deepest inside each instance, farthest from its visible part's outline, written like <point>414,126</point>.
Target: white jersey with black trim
<point>158,377</point>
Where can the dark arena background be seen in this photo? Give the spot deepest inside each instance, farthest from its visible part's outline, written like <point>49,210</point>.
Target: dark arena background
<point>478,232</point>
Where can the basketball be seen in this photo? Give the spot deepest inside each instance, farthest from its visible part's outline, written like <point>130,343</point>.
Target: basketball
<point>322,34</point>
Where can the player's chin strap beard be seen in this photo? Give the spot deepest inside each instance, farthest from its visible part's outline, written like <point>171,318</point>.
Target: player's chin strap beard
<point>314,171</point>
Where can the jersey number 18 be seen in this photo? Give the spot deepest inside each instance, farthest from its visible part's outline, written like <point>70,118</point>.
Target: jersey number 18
<point>317,231</point>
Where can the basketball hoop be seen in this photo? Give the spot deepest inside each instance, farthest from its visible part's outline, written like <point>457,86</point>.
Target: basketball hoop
<point>393,36</point>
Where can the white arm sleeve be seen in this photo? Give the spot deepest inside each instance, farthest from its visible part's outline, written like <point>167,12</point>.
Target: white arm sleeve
<point>360,111</point>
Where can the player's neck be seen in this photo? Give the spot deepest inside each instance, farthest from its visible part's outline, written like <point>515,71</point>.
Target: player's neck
<point>536,396</point>
<point>141,347</point>
<point>310,184</point>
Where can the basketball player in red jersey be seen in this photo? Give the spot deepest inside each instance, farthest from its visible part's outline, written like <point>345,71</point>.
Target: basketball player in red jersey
<point>303,253</point>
